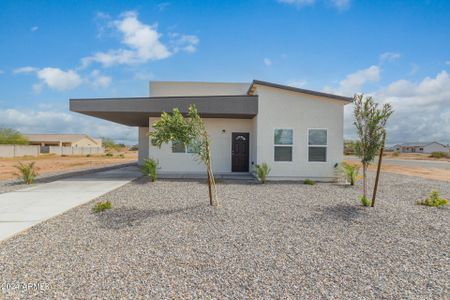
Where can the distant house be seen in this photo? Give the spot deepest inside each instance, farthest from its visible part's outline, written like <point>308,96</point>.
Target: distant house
<point>63,140</point>
<point>421,147</point>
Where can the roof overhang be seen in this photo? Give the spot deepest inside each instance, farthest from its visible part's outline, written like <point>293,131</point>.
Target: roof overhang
<point>136,111</point>
<point>252,89</point>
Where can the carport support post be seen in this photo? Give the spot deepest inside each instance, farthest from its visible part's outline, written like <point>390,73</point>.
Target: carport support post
<point>378,170</point>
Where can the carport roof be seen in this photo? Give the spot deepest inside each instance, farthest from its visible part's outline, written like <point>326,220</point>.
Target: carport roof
<point>136,111</point>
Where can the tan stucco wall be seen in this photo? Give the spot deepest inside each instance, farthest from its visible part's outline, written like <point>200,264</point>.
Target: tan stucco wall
<point>173,88</point>
<point>85,142</point>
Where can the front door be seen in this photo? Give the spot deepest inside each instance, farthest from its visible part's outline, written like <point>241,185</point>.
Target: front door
<point>239,151</point>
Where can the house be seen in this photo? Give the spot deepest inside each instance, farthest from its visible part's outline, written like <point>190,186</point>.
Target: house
<point>421,147</point>
<point>298,132</point>
<point>63,140</point>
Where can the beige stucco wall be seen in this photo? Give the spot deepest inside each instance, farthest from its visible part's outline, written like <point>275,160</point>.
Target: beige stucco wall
<point>144,144</point>
<point>220,148</point>
<point>280,109</point>
<point>174,88</point>
<point>85,142</point>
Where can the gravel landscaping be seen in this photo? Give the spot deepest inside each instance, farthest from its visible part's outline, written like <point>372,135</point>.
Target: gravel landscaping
<point>280,240</point>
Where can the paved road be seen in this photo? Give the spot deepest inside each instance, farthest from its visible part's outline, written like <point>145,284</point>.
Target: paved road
<point>412,162</point>
<point>24,208</point>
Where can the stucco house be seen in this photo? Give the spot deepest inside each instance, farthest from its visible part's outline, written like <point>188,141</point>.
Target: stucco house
<point>418,147</point>
<point>63,140</point>
<point>298,132</point>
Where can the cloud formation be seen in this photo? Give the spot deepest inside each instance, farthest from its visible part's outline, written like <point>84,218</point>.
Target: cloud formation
<point>354,82</point>
<point>58,79</point>
<point>267,61</point>
<point>142,43</point>
<point>338,4</point>
<point>389,57</point>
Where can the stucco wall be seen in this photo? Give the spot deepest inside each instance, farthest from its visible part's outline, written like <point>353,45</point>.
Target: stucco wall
<point>85,142</point>
<point>220,148</point>
<point>19,150</point>
<point>280,109</point>
<point>173,88</point>
<point>143,145</point>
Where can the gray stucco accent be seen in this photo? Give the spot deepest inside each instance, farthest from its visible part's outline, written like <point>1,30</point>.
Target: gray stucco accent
<point>136,111</point>
<point>298,90</point>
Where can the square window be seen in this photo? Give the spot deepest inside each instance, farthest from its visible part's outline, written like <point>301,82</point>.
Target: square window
<point>283,137</point>
<point>317,154</point>
<point>283,153</point>
<point>317,137</point>
<point>178,147</point>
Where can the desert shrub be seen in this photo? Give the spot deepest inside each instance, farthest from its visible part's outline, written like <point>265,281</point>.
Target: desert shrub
<point>149,168</point>
<point>12,137</point>
<point>88,155</point>
<point>396,153</point>
<point>434,200</point>
<point>351,172</point>
<point>28,172</point>
<point>109,154</point>
<point>309,182</point>
<point>101,206</point>
<point>262,171</point>
<point>364,201</point>
<point>439,154</point>
<point>121,155</point>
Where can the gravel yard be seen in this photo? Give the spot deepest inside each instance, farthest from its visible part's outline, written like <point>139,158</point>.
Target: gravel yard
<point>280,240</point>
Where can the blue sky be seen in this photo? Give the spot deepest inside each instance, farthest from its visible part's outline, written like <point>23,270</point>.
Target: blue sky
<point>397,51</point>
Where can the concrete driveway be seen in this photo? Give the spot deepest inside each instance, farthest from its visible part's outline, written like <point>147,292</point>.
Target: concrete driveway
<point>24,208</point>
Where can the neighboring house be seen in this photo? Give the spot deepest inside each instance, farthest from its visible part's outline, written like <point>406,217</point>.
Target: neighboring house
<point>298,132</point>
<point>63,140</point>
<point>421,147</point>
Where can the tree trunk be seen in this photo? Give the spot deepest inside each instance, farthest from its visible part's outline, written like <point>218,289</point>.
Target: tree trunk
<point>374,195</point>
<point>364,180</point>
<point>211,182</point>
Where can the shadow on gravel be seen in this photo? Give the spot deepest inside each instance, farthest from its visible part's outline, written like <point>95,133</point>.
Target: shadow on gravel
<point>345,212</point>
<point>118,218</point>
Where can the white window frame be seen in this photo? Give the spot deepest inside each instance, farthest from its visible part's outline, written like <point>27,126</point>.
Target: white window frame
<point>323,146</point>
<point>282,145</point>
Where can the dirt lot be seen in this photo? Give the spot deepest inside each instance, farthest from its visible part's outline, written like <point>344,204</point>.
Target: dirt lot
<point>53,163</point>
<point>415,156</point>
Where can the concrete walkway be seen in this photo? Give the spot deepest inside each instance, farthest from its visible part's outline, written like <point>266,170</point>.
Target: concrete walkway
<point>24,208</point>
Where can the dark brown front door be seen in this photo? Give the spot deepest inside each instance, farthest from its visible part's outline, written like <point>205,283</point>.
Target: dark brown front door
<point>239,151</point>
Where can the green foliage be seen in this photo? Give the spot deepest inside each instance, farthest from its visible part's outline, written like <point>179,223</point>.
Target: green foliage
<point>434,200</point>
<point>111,145</point>
<point>101,206</point>
<point>27,172</point>
<point>109,154</point>
<point>439,154</point>
<point>309,182</point>
<point>12,137</point>
<point>134,148</point>
<point>349,147</point>
<point>365,201</point>
<point>351,172</point>
<point>190,131</point>
<point>262,171</point>
<point>149,168</point>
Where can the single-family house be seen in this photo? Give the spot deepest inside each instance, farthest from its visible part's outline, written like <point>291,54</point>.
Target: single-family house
<point>63,140</point>
<point>420,147</point>
<point>297,132</point>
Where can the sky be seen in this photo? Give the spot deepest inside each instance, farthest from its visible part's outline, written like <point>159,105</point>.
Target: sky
<point>394,51</point>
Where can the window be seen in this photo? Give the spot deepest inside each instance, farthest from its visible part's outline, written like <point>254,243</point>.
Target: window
<point>317,145</point>
<point>178,147</point>
<point>283,144</point>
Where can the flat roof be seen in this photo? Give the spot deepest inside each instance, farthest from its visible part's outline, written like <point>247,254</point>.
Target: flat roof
<point>295,89</point>
<point>135,111</point>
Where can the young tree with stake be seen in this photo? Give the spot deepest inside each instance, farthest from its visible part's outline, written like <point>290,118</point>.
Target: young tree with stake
<point>369,122</point>
<point>191,131</point>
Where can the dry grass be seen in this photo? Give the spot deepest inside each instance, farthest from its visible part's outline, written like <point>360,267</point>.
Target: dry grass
<point>414,156</point>
<point>54,163</point>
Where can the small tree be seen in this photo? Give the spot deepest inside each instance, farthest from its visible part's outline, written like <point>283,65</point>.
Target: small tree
<point>190,131</point>
<point>369,122</point>
<point>12,137</point>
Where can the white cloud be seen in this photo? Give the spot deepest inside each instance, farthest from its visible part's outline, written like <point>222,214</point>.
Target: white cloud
<point>142,41</point>
<point>297,83</point>
<point>25,70</point>
<point>447,62</point>
<point>298,3</point>
<point>267,61</point>
<point>1,72</point>
<point>162,6</point>
<point>97,80</point>
<point>421,109</point>
<point>183,42</point>
<point>340,4</point>
<point>58,79</point>
<point>389,57</point>
<point>34,28</point>
<point>355,81</point>
<point>48,121</point>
